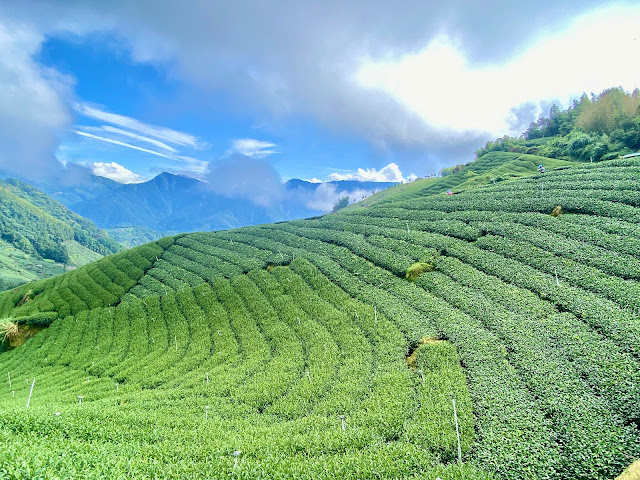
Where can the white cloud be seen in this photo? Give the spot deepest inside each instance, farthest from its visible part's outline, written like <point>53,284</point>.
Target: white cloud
<point>442,95</point>
<point>116,172</point>
<point>327,195</point>
<point>313,180</point>
<point>162,133</point>
<point>194,165</point>
<point>411,177</point>
<point>253,148</point>
<point>240,176</point>
<point>135,136</point>
<point>122,144</point>
<point>451,93</point>
<point>390,173</point>
<point>32,110</point>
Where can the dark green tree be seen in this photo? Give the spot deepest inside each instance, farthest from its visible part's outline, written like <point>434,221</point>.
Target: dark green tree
<point>343,202</point>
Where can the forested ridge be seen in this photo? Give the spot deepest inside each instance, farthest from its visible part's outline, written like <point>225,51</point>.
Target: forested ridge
<point>593,128</point>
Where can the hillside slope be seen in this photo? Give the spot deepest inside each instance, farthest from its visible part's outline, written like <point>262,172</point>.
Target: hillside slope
<point>490,168</point>
<point>303,347</point>
<point>35,228</point>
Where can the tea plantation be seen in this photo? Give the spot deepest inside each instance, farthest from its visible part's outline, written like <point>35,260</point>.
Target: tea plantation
<point>332,347</point>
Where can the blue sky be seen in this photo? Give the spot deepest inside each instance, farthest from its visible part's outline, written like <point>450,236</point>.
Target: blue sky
<point>107,81</point>
<point>324,90</point>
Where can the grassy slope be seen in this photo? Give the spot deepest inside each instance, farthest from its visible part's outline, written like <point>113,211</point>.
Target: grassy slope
<point>18,267</point>
<point>130,237</point>
<point>34,224</point>
<point>490,168</point>
<point>542,312</point>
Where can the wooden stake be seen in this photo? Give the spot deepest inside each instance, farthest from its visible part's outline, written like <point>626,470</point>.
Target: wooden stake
<point>31,392</point>
<point>342,420</point>
<point>207,380</point>
<point>556,272</point>
<point>9,379</point>
<point>176,339</point>
<point>422,375</point>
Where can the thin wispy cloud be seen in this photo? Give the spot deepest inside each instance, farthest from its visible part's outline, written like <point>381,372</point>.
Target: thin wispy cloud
<point>253,148</point>
<point>164,134</point>
<point>135,136</point>
<point>118,142</point>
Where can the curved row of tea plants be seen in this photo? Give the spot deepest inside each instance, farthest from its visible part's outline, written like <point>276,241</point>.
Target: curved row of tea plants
<point>281,329</point>
<point>268,364</point>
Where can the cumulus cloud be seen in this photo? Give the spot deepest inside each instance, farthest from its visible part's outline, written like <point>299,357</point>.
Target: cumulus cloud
<point>401,78</point>
<point>313,180</point>
<point>411,177</point>
<point>390,173</point>
<point>32,109</point>
<point>440,80</point>
<point>253,148</point>
<point>116,172</point>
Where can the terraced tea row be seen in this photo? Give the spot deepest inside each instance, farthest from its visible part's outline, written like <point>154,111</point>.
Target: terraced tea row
<point>275,364</point>
<point>295,324</point>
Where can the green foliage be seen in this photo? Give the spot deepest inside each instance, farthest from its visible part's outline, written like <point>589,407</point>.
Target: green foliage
<point>451,170</point>
<point>609,111</point>
<point>101,283</point>
<point>40,319</point>
<point>417,269</point>
<point>286,353</point>
<point>601,128</point>
<point>297,324</point>
<point>38,225</point>
<point>340,204</point>
<point>130,237</point>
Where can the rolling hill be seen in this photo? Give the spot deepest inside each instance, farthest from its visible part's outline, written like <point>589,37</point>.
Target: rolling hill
<point>39,236</point>
<point>333,347</point>
<point>490,168</point>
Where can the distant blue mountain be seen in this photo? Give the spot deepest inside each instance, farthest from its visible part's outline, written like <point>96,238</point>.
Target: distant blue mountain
<point>174,203</point>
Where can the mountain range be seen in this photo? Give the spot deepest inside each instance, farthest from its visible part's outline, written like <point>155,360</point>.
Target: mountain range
<point>168,203</point>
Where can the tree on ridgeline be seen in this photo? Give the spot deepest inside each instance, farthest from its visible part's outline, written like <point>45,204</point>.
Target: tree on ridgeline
<point>602,127</point>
